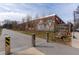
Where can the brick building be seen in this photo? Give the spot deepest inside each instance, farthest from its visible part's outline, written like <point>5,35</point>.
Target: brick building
<point>46,23</point>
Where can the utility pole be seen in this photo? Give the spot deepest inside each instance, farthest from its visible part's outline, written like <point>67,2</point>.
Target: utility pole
<point>74,21</point>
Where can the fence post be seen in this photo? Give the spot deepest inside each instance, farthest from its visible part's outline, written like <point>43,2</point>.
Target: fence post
<point>33,40</point>
<point>47,35</point>
<point>7,46</point>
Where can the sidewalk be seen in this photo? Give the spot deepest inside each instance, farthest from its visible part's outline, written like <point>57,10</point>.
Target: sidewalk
<point>44,48</point>
<point>30,51</point>
<point>75,40</point>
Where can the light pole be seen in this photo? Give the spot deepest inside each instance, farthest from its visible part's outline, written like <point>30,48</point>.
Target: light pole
<point>74,21</point>
<point>74,24</point>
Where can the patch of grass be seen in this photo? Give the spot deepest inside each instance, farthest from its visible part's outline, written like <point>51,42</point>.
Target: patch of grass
<point>0,31</point>
<point>52,36</point>
<point>29,33</point>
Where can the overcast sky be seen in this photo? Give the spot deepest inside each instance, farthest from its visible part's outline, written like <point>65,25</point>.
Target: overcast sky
<point>20,10</point>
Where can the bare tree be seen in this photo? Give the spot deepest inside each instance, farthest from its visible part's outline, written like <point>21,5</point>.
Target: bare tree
<point>9,24</point>
<point>23,20</point>
<point>14,24</point>
<point>28,18</point>
<point>36,16</point>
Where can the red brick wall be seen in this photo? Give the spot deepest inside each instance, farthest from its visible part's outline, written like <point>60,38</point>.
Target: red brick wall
<point>32,25</point>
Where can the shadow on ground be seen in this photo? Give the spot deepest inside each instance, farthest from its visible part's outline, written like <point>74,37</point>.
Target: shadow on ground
<point>45,46</point>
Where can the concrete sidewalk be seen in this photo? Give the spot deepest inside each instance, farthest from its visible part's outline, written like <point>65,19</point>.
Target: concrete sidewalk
<point>48,49</point>
<point>30,51</point>
<point>75,41</point>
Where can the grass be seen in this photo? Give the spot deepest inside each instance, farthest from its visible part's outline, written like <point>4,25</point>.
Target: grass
<point>52,36</point>
<point>0,31</point>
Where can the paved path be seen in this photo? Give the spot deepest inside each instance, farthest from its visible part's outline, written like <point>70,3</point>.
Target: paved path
<point>75,40</point>
<point>18,40</point>
<point>21,44</point>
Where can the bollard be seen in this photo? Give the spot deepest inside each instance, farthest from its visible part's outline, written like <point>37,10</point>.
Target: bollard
<point>47,35</point>
<point>33,40</point>
<point>7,45</point>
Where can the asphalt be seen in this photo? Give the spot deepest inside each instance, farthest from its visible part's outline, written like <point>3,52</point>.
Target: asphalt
<point>18,41</point>
<point>21,44</point>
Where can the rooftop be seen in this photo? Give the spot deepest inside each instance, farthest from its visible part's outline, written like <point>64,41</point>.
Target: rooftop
<point>45,16</point>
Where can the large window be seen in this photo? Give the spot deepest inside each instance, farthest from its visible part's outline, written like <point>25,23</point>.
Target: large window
<point>50,22</point>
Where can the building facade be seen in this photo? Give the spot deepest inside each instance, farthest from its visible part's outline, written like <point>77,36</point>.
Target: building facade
<point>47,23</point>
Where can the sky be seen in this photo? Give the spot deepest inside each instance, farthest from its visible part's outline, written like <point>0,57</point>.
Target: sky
<point>17,11</point>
